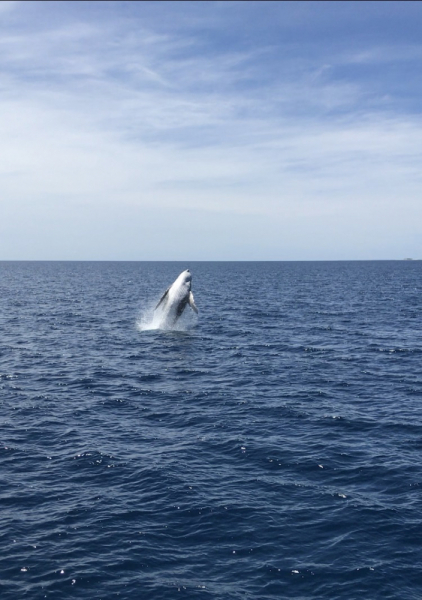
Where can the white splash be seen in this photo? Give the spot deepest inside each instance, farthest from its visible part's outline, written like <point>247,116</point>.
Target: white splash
<point>151,319</point>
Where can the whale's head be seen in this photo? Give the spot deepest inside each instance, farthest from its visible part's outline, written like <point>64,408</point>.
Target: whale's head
<point>185,276</point>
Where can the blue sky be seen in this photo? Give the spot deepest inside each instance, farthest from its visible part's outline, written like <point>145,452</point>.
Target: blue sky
<point>210,130</point>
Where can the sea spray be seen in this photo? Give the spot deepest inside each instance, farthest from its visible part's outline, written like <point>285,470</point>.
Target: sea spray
<point>150,319</point>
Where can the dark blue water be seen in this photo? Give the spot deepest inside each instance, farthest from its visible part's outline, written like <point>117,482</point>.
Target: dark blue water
<point>271,450</point>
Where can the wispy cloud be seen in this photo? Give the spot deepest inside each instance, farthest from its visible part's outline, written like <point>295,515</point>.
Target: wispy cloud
<point>119,119</point>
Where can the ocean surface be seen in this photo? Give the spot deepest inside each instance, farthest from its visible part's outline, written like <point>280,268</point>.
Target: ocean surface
<point>269,449</point>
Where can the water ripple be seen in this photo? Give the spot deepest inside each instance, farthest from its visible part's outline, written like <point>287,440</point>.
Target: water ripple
<point>269,450</point>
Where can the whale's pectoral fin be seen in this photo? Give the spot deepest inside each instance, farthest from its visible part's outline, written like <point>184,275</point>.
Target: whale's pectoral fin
<point>192,303</point>
<point>163,297</point>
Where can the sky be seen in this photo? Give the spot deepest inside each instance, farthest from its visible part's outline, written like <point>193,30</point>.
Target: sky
<point>210,130</point>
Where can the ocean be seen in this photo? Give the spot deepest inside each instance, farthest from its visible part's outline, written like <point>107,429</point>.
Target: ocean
<point>268,449</point>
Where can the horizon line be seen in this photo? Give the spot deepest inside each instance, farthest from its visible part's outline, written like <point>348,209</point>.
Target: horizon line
<point>34,260</point>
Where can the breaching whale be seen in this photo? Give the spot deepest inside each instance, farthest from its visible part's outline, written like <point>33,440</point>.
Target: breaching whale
<point>173,301</point>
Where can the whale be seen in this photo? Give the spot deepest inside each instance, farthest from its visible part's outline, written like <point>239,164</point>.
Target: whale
<point>175,299</point>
